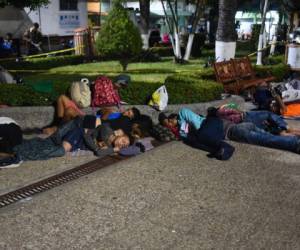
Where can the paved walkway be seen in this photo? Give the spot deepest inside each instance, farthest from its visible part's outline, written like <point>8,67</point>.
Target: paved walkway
<point>173,197</point>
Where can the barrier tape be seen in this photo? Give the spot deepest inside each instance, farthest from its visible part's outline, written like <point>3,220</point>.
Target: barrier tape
<point>272,43</point>
<point>43,54</point>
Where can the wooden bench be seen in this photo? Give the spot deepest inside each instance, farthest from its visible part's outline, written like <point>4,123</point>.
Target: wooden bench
<point>237,75</point>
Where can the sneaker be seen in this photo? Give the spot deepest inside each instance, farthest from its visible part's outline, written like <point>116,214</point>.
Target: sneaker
<point>10,162</point>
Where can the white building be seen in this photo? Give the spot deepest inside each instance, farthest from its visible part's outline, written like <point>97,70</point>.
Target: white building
<point>61,17</point>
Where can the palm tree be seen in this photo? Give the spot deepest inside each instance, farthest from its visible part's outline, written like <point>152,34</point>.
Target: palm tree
<point>144,18</point>
<point>226,33</point>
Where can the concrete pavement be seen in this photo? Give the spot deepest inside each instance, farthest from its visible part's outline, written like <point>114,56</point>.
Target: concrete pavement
<point>173,197</point>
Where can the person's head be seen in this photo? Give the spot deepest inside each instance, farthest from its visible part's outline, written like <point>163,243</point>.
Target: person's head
<point>119,132</point>
<point>274,107</point>
<point>8,36</point>
<point>141,127</point>
<point>122,81</point>
<point>163,119</point>
<point>122,141</point>
<point>132,113</point>
<point>36,26</point>
<point>212,112</point>
<point>172,120</point>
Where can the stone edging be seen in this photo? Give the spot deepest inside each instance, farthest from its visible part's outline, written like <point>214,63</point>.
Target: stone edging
<point>39,117</point>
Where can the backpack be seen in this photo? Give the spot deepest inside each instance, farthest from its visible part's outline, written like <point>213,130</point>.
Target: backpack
<point>104,93</point>
<point>81,93</point>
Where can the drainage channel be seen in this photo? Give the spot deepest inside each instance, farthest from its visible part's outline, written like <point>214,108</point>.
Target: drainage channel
<point>57,180</point>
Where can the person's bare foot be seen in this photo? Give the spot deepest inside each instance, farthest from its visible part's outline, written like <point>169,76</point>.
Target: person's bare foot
<point>49,131</point>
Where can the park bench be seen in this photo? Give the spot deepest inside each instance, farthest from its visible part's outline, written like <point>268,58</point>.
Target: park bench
<point>237,75</point>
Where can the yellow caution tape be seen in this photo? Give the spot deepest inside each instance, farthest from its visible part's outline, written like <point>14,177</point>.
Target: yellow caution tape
<point>43,54</point>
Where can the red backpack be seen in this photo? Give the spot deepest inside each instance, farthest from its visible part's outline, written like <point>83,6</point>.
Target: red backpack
<point>104,93</point>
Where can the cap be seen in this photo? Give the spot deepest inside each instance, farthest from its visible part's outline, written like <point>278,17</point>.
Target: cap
<point>123,79</point>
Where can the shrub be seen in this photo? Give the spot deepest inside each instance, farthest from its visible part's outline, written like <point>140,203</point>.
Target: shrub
<point>22,95</point>
<point>279,71</point>
<point>162,51</point>
<point>185,88</point>
<point>147,56</point>
<point>119,37</point>
<point>43,63</point>
<point>182,88</point>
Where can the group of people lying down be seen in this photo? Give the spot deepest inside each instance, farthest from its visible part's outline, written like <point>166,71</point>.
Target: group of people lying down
<point>110,132</point>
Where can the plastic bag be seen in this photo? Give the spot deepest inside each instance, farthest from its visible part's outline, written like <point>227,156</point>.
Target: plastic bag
<point>159,99</point>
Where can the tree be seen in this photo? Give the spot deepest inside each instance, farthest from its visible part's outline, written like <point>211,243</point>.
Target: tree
<point>198,12</point>
<point>172,20</point>
<point>32,4</point>
<point>226,33</point>
<point>261,34</point>
<point>144,18</point>
<point>119,37</point>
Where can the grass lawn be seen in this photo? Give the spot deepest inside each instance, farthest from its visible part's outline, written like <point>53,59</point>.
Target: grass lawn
<point>139,72</point>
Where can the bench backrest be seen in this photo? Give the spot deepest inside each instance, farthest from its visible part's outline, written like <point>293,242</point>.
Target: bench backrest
<point>225,72</point>
<point>243,68</point>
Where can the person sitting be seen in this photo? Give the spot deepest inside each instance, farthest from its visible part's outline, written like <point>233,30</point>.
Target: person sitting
<point>66,110</point>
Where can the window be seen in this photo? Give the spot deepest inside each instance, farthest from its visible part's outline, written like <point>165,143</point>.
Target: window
<point>68,4</point>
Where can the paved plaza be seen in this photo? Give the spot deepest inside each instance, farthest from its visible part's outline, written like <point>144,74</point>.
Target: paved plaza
<point>173,197</point>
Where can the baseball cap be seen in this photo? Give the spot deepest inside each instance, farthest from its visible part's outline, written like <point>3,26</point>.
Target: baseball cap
<point>123,79</point>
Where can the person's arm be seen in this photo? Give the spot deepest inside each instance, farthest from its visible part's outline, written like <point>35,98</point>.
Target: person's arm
<point>188,117</point>
<point>279,121</point>
<point>279,101</point>
<point>89,140</point>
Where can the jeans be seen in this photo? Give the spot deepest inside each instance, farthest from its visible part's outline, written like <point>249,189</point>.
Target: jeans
<point>258,118</point>
<point>247,132</point>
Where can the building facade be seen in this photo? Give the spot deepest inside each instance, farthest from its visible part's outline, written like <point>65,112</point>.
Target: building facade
<point>61,17</point>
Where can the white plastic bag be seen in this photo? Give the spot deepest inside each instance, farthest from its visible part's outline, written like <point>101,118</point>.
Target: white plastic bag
<point>159,99</point>
<point>81,93</point>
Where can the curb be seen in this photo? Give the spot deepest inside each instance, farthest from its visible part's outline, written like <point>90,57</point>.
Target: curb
<point>38,117</point>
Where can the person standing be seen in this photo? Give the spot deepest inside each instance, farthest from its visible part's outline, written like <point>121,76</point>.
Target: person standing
<point>33,38</point>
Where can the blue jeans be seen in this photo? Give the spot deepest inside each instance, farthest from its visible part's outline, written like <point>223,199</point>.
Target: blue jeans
<point>247,132</point>
<point>258,118</point>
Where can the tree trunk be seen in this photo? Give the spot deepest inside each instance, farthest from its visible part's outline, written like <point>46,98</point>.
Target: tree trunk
<point>177,45</point>
<point>261,35</point>
<point>226,33</point>
<point>189,47</point>
<point>144,17</point>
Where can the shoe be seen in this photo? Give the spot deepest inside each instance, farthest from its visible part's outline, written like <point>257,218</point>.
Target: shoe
<point>224,153</point>
<point>10,162</point>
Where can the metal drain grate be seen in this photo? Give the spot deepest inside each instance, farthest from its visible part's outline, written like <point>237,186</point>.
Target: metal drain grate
<point>56,180</point>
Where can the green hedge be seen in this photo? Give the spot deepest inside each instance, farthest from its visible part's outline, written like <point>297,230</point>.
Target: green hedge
<point>23,95</point>
<point>182,88</point>
<point>185,88</point>
<point>279,71</point>
<point>43,63</point>
<point>162,51</point>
